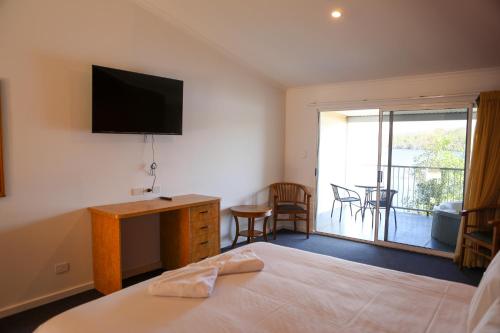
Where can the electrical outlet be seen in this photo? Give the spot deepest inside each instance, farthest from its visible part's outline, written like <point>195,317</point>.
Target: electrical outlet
<point>156,190</point>
<point>61,268</point>
<point>145,190</point>
<point>137,191</point>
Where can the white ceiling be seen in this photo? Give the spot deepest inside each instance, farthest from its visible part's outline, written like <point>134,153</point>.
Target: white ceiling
<point>296,42</point>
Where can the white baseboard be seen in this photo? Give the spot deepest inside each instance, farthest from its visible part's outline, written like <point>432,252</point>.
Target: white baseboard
<point>34,302</point>
<point>55,296</point>
<point>141,269</point>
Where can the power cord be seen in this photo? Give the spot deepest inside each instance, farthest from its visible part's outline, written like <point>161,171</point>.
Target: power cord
<point>153,166</point>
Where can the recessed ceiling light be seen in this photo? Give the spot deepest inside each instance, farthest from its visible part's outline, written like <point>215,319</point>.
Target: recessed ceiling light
<point>336,14</point>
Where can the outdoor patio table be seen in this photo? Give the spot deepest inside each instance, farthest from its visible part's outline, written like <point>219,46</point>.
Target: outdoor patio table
<point>368,190</point>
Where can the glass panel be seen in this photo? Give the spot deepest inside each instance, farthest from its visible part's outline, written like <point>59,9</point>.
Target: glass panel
<point>473,128</point>
<point>348,157</point>
<point>424,167</point>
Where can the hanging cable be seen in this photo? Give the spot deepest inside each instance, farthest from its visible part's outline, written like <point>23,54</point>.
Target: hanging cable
<point>154,165</point>
<point>153,147</point>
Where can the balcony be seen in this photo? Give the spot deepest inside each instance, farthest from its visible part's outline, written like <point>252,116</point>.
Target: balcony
<point>427,150</point>
<point>422,188</point>
<point>419,191</point>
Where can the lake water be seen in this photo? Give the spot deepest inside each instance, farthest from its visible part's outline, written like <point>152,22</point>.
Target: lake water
<point>408,156</point>
<point>405,156</point>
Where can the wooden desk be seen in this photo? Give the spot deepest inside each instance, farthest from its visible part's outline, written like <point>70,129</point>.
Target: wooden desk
<point>189,232</point>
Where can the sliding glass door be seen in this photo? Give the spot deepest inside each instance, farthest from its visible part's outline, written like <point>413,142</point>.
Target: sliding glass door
<point>395,175</point>
<point>421,172</point>
<point>347,168</point>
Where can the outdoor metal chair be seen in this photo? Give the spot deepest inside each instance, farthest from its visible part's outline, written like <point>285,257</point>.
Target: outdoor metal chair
<point>383,204</point>
<point>349,196</point>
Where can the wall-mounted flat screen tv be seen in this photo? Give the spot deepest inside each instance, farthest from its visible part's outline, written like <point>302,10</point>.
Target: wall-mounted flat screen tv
<point>128,102</point>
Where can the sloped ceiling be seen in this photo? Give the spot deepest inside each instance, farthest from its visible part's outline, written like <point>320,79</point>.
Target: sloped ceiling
<point>296,42</point>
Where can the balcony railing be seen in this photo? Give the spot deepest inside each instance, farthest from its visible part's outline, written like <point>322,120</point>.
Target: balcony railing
<point>421,188</point>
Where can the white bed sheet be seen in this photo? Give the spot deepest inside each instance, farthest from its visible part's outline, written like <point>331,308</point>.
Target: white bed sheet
<point>297,291</point>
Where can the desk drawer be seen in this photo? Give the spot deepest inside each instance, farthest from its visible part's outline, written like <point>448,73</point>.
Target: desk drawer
<point>203,249</point>
<point>204,229</point>
<point>204,212</point>
<point>204,242</point>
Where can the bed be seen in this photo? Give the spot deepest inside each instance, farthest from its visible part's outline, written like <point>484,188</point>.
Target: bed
<point>297,291</point>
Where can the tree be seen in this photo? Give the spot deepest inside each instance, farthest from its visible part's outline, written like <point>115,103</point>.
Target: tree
<point>439,173</point>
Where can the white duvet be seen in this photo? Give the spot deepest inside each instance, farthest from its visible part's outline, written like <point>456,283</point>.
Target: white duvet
<point>296,291</point>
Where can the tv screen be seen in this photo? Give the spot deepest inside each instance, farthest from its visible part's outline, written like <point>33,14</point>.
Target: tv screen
<point>128,102</point>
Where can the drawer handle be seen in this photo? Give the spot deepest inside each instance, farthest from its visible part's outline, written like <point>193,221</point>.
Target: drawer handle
<point>204,227</point>
<point>204,243</point>
<point>204,212</point>
<point>204,258</point>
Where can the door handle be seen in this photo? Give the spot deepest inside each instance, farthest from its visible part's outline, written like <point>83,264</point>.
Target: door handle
<point>380,176</point>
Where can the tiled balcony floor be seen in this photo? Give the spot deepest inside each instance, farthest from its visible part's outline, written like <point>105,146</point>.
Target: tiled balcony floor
<point>413,229</point>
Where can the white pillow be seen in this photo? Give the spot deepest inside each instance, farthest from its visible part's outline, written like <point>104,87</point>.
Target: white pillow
<point>453,207</point>
<point>486,293</point>
<point>456,206</point>
<point>490,323</point>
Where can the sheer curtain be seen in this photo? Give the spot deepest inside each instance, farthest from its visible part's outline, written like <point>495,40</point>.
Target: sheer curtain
<point>483,184</point>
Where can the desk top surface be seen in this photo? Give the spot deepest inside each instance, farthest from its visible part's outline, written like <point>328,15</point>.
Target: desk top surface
<point>144,207</point>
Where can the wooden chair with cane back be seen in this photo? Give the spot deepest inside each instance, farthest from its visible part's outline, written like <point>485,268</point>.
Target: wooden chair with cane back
<point>293,200</point>
<point>480,240</point>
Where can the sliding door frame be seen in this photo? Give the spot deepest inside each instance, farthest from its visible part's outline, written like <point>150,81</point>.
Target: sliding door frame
<point>416,108</point>
<point>317,173</point>
<point>408,104</point>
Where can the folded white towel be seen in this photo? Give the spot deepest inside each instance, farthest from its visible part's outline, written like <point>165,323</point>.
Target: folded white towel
<point>238,261</point>
<point>198,279</point>
<point>189,281</point>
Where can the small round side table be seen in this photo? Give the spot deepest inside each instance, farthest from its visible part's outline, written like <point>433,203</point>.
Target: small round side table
<point>251,212</point>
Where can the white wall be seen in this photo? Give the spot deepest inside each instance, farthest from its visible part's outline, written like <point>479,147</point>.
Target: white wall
<point>232,144</point>
<point>302,120</point>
